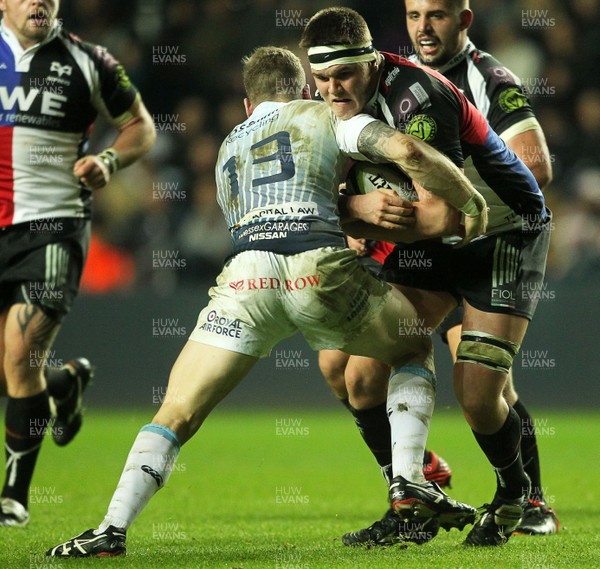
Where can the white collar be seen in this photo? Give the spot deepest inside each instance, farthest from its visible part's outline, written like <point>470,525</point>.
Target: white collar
<point>12,41</point>
<point>460,56</point>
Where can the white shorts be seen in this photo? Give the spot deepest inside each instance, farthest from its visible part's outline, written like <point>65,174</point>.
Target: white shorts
<point>262,297</point>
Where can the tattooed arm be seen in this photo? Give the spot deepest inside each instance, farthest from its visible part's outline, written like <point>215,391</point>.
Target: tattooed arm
<point>425,165</point>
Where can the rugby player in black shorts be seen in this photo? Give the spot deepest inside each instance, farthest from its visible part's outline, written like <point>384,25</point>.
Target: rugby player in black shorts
<point>487,276</point>
<point>438,31</point>
<point>52,87</point>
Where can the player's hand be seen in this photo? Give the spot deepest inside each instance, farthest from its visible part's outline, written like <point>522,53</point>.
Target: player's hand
<point>359,245</point>
<point>476,218</point>
<point>382,207</point>
<point>92,172</point>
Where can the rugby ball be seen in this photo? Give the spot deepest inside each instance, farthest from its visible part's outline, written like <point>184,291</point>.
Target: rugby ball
<point>365,177</point>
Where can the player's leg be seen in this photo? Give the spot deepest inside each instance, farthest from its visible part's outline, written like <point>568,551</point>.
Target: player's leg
<point>66,385</point>
<point>529,450</point>
<point>332,364</point>
<point>538,518</point>
<point>410,401</point>
<point>366,380</point>
<point>27,330</point>
<point>488,346</point>
<point>3,386</point>
<point>201,377</point>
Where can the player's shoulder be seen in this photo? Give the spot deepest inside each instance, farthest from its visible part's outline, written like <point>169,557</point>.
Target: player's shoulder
<point>492,70</point>
<point>399,75</point>
<point>75,44</point>
<point>84,50</point>
<point>309,110</point>
<point>398,69</point>
<point>306,106</point>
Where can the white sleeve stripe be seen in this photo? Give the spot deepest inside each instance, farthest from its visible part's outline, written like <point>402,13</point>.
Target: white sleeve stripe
<point>92,78</point>
<point>530,123</point>
<point>478,88</point>
<point>86,65</point>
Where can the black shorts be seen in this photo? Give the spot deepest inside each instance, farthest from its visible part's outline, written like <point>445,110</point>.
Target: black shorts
<point>41,262</point>
<point>499,273</point>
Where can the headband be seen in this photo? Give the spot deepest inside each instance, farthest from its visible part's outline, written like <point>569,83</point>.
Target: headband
<point>323,56</point>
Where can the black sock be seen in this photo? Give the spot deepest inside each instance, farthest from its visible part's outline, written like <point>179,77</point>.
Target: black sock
<point>374,427</point>
<point>59,380</point>
<point>26,422</point>
<point>529,451</point>
<point>503,452</point>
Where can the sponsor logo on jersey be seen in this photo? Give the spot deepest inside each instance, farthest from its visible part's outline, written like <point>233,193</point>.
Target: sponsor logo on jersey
<point>511,100</point>
<point>423,127</point>
<point>59,69</point>
<point>501,75</point>
<point>222,325</point>
<point>51,102</point>
<point>420,94</point>
<point>273,283</point>
<point>274,230</point>
<point>391,76</point>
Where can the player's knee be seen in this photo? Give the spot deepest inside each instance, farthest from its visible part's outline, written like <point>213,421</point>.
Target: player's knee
<point>478,406</point>
<point>509,392</point>
<point>333,368</point>
<point>367,384</point>
<point>481,348</point>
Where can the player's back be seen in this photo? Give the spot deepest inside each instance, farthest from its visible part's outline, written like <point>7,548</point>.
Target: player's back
<point>277,178</point>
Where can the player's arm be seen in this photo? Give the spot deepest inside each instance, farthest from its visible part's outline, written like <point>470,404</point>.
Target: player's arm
<point>531,147</point>
<point>433,217</point>
<point>136,135</point>
<point>425,165</point>
<point>510,114</point>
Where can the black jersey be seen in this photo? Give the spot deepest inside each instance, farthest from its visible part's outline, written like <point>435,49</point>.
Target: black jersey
<point>50,94</point>
<point>419,101</point>
<point>497,93</point>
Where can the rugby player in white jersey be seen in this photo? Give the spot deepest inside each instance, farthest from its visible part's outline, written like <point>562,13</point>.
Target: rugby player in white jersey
<point>277,183</point>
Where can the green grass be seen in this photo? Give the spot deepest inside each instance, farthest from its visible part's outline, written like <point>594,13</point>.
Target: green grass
<point>220,510</point>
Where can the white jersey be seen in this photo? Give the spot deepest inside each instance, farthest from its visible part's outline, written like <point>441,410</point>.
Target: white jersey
<point>277,179</point>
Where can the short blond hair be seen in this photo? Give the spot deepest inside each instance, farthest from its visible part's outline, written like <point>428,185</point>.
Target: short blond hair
<point>273,74</point>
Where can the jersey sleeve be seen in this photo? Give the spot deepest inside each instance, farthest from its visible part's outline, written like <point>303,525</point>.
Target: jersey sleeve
<point>423,105</point>
<point>348,132</point>
<point>113,94</point>
<point>509,104</point>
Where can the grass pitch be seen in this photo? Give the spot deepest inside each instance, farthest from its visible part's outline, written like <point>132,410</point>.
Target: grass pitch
<point>277,488</point>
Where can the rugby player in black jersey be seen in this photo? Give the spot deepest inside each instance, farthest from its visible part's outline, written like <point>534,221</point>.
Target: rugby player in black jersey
<point>52,86</point>
<point>488,276</point>
<point>438,30</point>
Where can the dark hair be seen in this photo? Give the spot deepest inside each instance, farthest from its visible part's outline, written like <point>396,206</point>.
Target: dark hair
<point>335,26</point>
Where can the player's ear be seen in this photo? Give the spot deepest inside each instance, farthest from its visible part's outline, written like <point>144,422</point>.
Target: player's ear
<point>248,106</point>
<point>306,92</point>
<point>466,19</point>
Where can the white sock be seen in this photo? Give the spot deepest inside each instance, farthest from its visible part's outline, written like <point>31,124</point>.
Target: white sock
<point>147,469</point>
<point>410,403</point>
